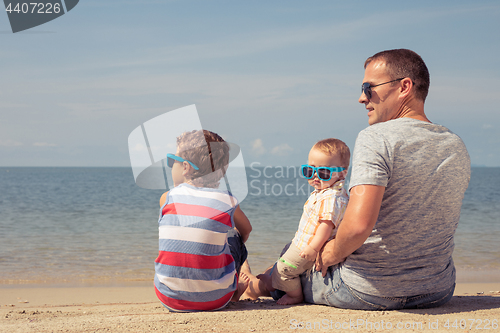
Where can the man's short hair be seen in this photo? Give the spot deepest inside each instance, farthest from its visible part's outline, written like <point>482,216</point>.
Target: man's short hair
<point>332,147</point>
<point>208,151</point>
<point>405,63</point>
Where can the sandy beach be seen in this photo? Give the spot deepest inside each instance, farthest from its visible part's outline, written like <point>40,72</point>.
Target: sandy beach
<point>135,308</point>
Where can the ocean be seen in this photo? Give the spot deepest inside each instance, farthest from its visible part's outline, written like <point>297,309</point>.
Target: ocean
<point>79,226</point>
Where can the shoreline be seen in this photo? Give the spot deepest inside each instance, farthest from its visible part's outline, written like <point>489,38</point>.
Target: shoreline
<point>32,295</point>
<point>464,276</point>
<point>135,307</point>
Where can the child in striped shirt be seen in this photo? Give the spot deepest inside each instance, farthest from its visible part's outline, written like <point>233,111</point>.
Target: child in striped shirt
<point>202,229</point>
<point>324,209</point>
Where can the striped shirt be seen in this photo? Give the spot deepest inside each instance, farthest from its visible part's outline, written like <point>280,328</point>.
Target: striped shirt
<point>194,269</point>
<point>328,204</point>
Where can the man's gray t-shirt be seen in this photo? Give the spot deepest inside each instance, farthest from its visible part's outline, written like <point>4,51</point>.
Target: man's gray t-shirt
<point>425,170</point>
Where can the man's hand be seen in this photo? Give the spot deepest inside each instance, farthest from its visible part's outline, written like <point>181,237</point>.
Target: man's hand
<point>325,258</point>
<point>309,253</point>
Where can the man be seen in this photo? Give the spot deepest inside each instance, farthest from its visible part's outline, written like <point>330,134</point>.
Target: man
<point>393,249</point>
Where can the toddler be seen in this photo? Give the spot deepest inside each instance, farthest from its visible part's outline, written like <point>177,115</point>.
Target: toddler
<point>324,209</point>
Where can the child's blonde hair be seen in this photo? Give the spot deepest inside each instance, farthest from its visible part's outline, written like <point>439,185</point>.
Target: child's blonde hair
<point>209,152</point>
<point>332,147</point>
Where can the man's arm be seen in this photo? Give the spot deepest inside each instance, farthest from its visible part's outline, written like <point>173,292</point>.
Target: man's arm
<point>359,219</point>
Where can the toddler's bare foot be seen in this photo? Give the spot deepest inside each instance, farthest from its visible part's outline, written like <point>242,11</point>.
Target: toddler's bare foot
<point>242,286</point>
<point>288,300</point>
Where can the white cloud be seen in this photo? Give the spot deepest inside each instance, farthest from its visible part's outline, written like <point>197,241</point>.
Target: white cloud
<point>282,150</point>
<point>257,147</point>
<point>10,143</point>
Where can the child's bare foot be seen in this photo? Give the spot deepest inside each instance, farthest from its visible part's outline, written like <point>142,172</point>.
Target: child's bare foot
<point>288,300</point>
<point>242,286</point>
<point>256,287</point>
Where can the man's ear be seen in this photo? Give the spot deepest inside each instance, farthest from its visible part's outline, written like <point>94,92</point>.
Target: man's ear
<point>406,86</point>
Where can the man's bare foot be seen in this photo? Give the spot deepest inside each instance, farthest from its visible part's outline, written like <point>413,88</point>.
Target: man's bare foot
<point>256,287</point>
<point>242,286</point>
<point>288,300</point>
<point>267,279</point>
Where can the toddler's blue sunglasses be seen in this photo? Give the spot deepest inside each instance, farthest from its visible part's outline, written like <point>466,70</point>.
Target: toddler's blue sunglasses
<point>171,158</point>
<point>324,173</point>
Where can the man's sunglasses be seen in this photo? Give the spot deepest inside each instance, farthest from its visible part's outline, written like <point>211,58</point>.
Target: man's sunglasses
<point>366,88</point>
<point>324,173</point>
<point>171,158</point>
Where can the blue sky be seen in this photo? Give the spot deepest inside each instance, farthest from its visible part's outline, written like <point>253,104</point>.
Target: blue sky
<point>272,76</point>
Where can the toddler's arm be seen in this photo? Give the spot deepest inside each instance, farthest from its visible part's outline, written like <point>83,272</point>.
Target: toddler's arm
<point>242,223</point>
<point>320,237</point>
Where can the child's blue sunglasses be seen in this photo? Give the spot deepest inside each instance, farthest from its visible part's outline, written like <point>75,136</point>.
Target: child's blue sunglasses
<point>324,173</point>
<point>171,158</point>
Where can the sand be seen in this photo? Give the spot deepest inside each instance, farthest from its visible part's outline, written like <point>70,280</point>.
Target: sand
<point>135,308</point>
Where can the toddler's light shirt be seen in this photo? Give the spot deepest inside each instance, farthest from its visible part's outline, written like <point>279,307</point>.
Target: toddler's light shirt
<point>327,204</point>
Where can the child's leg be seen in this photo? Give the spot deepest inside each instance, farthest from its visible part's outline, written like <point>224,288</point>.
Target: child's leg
<point>286,275</point>
<point>283,278</point>
<point>243,281</point>
<point>239,253</point>
<point>237,248</point>
<point>291,297</point>
<point>256,287</point>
